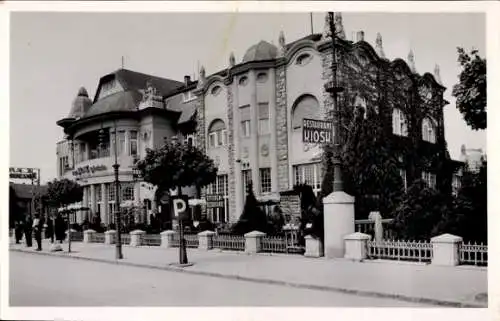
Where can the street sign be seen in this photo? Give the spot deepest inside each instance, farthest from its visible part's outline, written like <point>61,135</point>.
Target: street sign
<point>23,173</point>
<point>180,207</point>
<point>215,200</point>
<point>316,131</point>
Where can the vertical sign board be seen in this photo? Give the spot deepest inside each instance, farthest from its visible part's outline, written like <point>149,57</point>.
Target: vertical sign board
<point>290,205</point>
<point>180,209</point>
<point>316,131</point>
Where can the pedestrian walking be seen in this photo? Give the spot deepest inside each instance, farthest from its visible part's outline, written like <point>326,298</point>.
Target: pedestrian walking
<point>37,228</point>
<point>50,229</point>
<point>19,230</point>
<point>28,226</point>
<point>59,228</point>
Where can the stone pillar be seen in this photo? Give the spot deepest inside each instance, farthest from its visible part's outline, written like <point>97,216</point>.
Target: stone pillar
<point>238,189</point>
<point>93,200</point>
<point>88,236</point>
<point>356,245</point>
<point>136,237</point>
<point>314,247</point>
<point>445,249</point>
<point>254,131</point>
<point>272,127</point>
<point>104,210</point>
<point>281,126</point>
<point>253,242</point>
<point>205,240</point>
<point>110,237</point>
<point>167,238</point>
<point>338,222</point>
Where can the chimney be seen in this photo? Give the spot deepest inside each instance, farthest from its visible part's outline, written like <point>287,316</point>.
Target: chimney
<point>360,36</point>
<point>187,80</point>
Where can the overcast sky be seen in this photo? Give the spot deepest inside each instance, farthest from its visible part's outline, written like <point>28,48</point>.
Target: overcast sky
<point>53,54</point>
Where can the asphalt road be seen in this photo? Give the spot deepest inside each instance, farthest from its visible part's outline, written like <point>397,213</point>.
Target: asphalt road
<point>37,280</point>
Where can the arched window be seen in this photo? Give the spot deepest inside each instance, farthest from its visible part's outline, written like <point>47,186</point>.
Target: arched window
<point>305,107</point>
<point>217,134</point>
<point>428,130</point>
<point>399,123</point>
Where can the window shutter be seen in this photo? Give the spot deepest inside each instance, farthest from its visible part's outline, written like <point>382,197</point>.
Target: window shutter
<point>263,111</point>
<point>245,113</point>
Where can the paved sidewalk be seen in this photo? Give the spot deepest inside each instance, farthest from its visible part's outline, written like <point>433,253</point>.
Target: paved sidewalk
<point>446,286</point>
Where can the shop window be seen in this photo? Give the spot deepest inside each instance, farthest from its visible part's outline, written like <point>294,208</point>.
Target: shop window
<point>309,174</point>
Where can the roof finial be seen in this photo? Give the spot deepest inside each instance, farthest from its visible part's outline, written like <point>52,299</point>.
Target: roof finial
<point>378,46</point>
<point>232,60</point>
<point>437,74</point>
<point>202,79</point>
<point>411,61</point>
<point>327,34</point>
<point>123,62</point>
<point>282,44</point>
<point>339,27</point>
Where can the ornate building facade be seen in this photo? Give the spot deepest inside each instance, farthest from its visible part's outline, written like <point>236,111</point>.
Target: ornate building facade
<point>248,117</point>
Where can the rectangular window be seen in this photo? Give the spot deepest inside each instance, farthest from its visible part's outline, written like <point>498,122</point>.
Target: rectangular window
<point>246,176</point>
<point>120,147</point>
<point>127,192</point>
<point>98,193</point>
<point>224,137</point>
<point>430,179</point>
<point>265,180</point>
<point>245,128</point>
<point>211,139</point>
<point>402,172</point>
<point>309,174</point>
<point>264,119</point>
<point>111,192</point>
<point>133,143</point>
<point>219,138</point>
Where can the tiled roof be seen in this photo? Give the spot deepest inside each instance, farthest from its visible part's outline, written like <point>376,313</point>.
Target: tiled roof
<point>133,80</point>
<point>120,101</point>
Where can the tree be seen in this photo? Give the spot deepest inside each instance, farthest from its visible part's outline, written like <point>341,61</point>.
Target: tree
<point>420,211</point>
<point>469,211</point>
<point>176,165</point>
<point>252,218</point>
<point>470,92</point>
<point>63,192</point>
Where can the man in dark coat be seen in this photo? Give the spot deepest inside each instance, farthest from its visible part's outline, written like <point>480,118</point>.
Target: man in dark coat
<point>19,229</point>
<point>60,228</point>
<point>37,228</point>
<point>27,232</point>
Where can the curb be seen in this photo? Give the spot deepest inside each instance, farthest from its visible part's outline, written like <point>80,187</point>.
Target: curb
<point>172,268</point>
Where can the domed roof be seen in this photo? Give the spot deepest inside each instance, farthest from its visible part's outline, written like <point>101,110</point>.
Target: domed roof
<point>261,51</point>
<point>80,104</point>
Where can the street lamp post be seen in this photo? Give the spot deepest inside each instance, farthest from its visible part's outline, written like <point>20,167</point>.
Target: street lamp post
<point>116,166</point>
<point>333,88</point>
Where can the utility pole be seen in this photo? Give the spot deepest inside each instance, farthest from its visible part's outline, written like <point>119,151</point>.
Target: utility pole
<point>116,166</point>
<point>333,88</point>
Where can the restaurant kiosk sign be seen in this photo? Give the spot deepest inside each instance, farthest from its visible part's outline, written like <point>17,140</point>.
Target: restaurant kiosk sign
<point>23,173</point>
<point>316,131</point>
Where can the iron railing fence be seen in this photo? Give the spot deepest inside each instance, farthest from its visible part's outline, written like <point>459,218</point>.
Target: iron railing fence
<point>229,242</point>
<point>151,240</point>
<point>400,250</point>
<point>473,254</point>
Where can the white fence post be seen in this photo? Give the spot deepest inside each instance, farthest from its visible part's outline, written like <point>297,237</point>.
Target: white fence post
<point>136,237</point>
<point>445,248</point>
<point>88,236</point>
<point>167,238</point>
<point>110,237</point>
<point>356,245</point>
<point>314,247</point>
<point>253,241</point>
<point>205,240</point>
